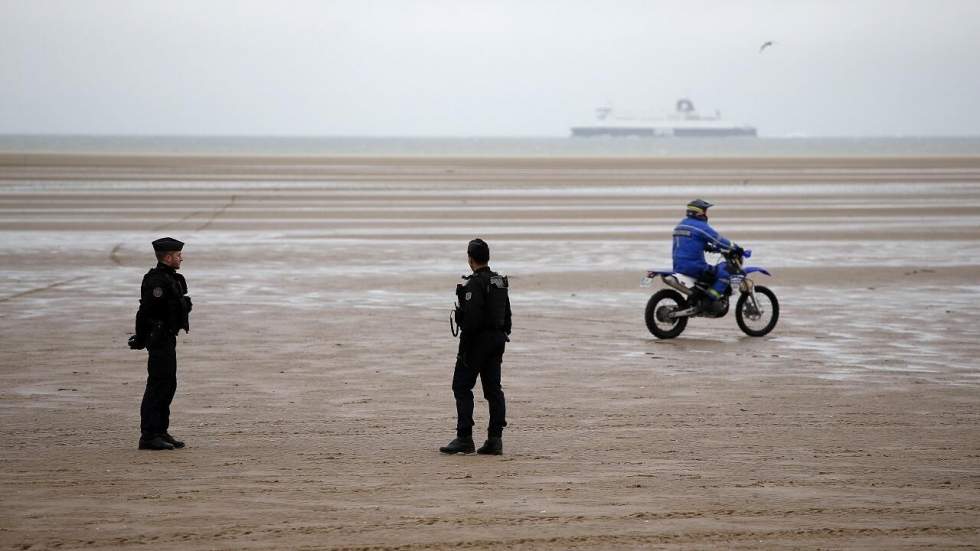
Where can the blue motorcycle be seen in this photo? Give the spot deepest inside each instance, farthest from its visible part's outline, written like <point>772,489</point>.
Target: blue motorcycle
<point>667,312</point>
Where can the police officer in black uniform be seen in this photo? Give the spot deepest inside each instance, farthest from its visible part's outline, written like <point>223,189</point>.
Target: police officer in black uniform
<point>163,311</point>
<point>483,316</point>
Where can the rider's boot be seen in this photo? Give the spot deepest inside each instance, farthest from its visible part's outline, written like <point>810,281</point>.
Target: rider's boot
<point>712,304</point>
<point>694,299</point>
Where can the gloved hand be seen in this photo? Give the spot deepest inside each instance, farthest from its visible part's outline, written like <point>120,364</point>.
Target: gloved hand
<point>136,343</point>
<point>737,251</point>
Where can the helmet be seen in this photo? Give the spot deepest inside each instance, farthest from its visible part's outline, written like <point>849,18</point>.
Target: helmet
<point>698,208</point>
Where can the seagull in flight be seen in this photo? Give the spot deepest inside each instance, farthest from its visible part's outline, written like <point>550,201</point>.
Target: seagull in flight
<point>765,45</point>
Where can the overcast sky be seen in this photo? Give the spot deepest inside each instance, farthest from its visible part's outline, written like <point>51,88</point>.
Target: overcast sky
<point>484,68</point>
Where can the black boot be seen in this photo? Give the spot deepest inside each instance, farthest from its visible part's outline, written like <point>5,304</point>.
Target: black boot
<point>694,299</point>
<point>155,442</point>
<point>459,445</point>
<point>493,446</point>
<point>171,440</point>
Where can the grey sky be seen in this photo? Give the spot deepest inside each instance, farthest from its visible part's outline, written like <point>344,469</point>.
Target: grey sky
<point>455,67</point>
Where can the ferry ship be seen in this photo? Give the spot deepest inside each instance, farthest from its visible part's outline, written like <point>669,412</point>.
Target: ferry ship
<point>684,122</point>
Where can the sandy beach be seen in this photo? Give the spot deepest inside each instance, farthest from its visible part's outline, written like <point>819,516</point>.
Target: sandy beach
<point>314,386</point>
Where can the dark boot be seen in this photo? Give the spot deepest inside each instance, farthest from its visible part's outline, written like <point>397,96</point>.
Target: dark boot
<point>171,440</point>
<point>694,299</point>
<point>154,443</point>
<point>493,446</point>
<point>459,445</point>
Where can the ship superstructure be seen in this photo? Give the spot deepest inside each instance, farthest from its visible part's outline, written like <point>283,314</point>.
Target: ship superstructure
<point>685,121</point>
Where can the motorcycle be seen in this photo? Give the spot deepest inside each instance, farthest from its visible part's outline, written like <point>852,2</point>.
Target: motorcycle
<point>667,311</point>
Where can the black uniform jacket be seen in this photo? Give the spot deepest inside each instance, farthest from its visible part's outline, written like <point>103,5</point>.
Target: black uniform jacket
<point>479,328</point>
<point>164,303</point>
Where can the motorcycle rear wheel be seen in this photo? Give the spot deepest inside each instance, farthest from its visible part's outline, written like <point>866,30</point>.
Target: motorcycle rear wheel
<point>754,324</point>
<point>662,299</point>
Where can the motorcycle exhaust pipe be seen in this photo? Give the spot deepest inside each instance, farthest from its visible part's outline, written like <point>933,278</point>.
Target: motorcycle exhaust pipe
<point>672,281</point>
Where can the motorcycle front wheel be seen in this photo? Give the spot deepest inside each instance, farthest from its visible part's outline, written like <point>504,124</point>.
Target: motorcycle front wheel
<point>662,303</point>
<point>757,319</point>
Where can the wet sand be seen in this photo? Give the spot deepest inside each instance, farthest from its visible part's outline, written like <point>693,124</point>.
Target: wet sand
<point>314,385</point>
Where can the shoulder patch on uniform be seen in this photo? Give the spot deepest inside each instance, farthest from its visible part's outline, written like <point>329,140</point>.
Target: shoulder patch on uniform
<point>157,292</point>
<point>469,295</point>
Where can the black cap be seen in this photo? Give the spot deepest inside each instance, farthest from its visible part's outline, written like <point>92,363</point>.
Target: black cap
<point>167,244</point>
<point>478,250</point>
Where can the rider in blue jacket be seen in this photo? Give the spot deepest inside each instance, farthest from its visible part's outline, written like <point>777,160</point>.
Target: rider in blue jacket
<point>692,237</point>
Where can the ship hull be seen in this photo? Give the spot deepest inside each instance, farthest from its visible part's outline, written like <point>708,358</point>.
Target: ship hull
<point>655,132</point>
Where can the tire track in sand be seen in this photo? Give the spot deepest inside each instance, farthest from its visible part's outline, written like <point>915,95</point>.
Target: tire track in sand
<point>114,253</point>
<point>214,215</point>
<point>41,289</point>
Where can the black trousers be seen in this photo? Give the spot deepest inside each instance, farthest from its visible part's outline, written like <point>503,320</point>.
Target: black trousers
<point>161,384</point>
<point>483,362</point>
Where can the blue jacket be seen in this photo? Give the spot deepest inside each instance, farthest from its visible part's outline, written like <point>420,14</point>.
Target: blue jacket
<point>692,237</point>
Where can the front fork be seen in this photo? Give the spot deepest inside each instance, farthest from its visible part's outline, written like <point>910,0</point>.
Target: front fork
<point>748,286</point>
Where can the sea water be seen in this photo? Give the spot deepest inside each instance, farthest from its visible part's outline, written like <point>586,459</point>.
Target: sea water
<point>496,146</point>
